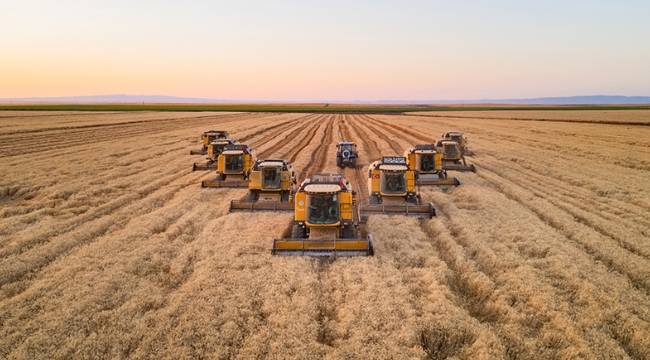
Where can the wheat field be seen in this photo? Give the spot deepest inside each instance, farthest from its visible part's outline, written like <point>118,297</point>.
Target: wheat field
<point>109,247</point>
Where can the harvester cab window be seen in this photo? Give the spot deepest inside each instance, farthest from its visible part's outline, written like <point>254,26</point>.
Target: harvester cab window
<point>393,182</point>
<point>323,208</point>
<point>234,162</point>
<point>427,162</point>
<point>271,177</point>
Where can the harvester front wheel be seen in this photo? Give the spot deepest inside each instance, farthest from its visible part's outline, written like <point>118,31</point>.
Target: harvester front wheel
<point>253,195</point>
<point>347,232</point>
<point>298,232</point>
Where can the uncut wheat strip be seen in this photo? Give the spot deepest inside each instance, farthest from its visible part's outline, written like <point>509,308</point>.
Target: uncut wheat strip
<point>563,180</point>
<point>596,140</point>
<point>532,300</point>
<point>636,123</point>
<point>238,299</point>
<point>42,252</point>
<point>38,164</point>
<point>576,346</point>
<point>144,253</point>
<point>631,266</point>
<point>631,158</point>
<point>79,221</point>
<point>563,242</point>
<point>591,172</point>
<point>143,160</point>
<point>541,114</point>
<point>63,136</point>
<point>55,125</point>
<point>599,188</point>
<point>498,183</point>
<point>68,138</point>
<point>397,295</point>
<point>627,234</point>
<point>500,243</point>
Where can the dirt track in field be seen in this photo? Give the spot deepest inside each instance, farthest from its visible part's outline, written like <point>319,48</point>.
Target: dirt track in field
<point>110,248</point>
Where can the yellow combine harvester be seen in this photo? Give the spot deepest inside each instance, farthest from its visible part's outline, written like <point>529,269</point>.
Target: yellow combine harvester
<point>460,138</point>
<point>392,190</point>
<point>324,221</point>
<point>214,149</point>
<point>452,156</point>
<point>233,167</point>
<point>427,163</point>
<point>206,138</point>
<point>271,185</point>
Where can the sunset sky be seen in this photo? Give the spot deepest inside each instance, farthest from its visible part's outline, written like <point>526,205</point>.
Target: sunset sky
<point>325,50</point>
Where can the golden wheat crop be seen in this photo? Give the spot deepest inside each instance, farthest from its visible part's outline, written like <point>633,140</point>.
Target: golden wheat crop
<point>109,248</point>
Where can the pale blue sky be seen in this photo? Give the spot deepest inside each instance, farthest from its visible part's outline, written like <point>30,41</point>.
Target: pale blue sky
<point>306,50</point>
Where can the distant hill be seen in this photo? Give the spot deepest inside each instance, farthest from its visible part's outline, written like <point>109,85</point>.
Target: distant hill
<point>564,100</point>
<point>162,99</point>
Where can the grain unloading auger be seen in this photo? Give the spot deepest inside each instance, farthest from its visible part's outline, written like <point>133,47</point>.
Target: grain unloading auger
<point>452,156</point>
<point>215,148</point>
<point>234,165</point>
<point>392,191</point>
<point>427,163</point>
<point>324,221</point>
<point>206,138</point>
<point>270,187</point>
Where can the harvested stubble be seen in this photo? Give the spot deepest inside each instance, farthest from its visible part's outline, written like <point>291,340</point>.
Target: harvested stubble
<point>110,248</point>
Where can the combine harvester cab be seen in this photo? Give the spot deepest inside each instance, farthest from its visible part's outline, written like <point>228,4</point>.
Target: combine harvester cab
<point>392,190</point>
<point>346,154</point>
<point>206,138</point>
<point>271,186</point>
<point>214,149</point>
<point>324,221</point>
<point>460,138</point>
<point>452,156</point>
<point>427,163</point>
<point>234,165</point>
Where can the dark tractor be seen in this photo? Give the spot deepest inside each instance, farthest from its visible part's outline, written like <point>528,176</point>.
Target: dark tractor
<point>346,154</point>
